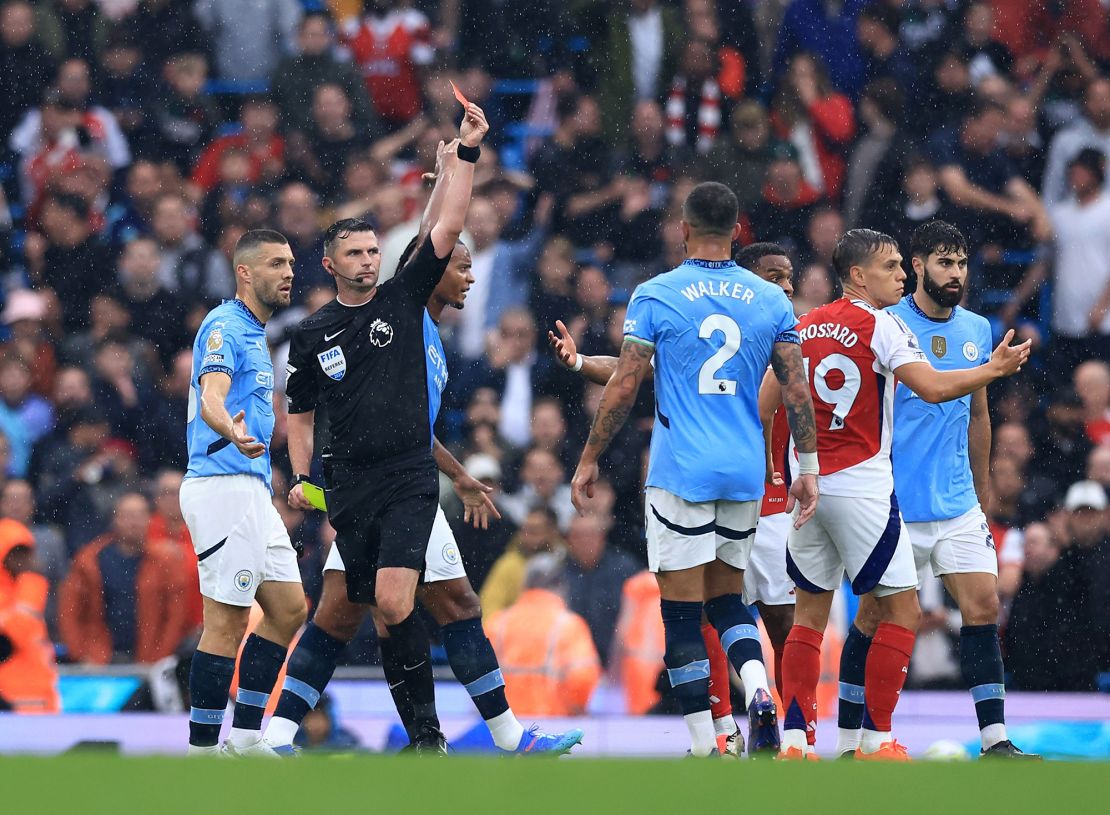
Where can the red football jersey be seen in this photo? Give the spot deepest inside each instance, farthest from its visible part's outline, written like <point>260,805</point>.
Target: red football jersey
<point>774,498</point>
<point>387,50</point>
<point>851,351</point>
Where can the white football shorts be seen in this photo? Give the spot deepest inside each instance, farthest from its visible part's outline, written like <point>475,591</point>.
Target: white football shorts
<point>238,535</point>
<point>864,537</point>
<point>441,558</point>
<point>960,545</point>
<point>765,579</point>
<point>682,534</point>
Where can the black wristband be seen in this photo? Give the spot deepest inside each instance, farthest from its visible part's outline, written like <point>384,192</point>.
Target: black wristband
<point>299,479</point>
<point>468,153</point>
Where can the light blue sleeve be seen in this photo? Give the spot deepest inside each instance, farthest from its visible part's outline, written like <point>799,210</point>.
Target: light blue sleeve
<point>786,324</point>
<point>986,343</point>
<point>640,323</point>
<point>219,343</point>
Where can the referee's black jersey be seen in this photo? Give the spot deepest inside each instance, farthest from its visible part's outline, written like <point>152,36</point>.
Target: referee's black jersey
<point>367,367</point>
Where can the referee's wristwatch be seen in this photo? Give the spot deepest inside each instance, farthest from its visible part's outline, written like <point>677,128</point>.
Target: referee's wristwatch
<point>299,478</point>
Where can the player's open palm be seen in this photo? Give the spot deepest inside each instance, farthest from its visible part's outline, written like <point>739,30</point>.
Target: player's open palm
<point>243,441</point>
<point>474,126</point>
<point>1008,359</point>
<point>566,351</point>
<point>803,494</point>
<point>478,507</point>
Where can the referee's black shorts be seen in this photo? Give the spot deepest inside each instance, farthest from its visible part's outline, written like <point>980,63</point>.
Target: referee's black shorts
<point>382,516</point>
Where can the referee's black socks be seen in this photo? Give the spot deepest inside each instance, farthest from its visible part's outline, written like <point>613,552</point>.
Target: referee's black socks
<point>410,661</point>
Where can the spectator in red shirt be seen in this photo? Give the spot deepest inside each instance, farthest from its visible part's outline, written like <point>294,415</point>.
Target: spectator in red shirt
<point>259,137</point>
<point>817,120</point>
<point>391,44</point>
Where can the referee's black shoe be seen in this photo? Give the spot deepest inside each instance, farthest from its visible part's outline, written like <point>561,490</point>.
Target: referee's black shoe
<point>1007,749</point>
<point>430,741</point>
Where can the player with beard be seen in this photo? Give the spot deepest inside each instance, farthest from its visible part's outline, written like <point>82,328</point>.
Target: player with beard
<point>941,455</point>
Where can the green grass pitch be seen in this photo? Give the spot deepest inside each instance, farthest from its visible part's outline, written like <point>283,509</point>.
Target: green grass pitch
<point>95,784</point>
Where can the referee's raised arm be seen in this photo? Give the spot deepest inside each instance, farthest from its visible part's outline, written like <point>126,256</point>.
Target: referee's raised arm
<point>421,279</point>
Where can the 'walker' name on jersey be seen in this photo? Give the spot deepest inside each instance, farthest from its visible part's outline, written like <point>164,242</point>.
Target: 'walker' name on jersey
<point>932,470</point>
<point>231,340</point>
<point>713,325</point>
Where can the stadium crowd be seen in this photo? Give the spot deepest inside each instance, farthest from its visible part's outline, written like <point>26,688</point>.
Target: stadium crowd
<point>141,138</point>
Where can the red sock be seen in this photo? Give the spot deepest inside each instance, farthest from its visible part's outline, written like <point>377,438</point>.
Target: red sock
<point>801,671</point>
<point>719,685</point>
<point>778,672</point>
<point>888,660</point>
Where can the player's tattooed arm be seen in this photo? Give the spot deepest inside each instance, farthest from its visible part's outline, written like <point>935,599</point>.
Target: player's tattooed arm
<point>786,360</point>
<point>619,396</point>
<point>616,404</point>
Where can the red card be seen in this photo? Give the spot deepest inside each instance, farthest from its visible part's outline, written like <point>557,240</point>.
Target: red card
<point>459,95</point>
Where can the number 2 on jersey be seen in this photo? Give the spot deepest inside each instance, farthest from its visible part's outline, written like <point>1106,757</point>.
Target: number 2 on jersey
<point>838,391</point>
<point>707,381</point>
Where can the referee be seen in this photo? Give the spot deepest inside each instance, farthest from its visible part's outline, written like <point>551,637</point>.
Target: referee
<point>361,358</point>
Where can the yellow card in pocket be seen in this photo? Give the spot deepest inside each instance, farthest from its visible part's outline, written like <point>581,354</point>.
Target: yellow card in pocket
<point>315,496</point>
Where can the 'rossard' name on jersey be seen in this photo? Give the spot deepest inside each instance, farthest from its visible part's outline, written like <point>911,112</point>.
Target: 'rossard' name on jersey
<point>834,331</point>
<point>718,288</point>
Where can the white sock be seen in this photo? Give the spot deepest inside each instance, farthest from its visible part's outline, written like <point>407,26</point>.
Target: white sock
<point>874,739</point>
<point>241,737</point>
<point>205,750</point>
<point>795,738</point>
<point>703,738</point>
<point>281,731</point>
<point>992,734</point>
<point>753,674</point>
<point>506,730</point>
<point>847,740</point>
<point>724,726</point>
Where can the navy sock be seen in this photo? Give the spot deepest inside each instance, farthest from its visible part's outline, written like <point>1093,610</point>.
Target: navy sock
<point>209,683</point>
<point>981,665</point>
<point>259,667</point>
<point>685,656</point>
<point>736,627</point>
<point>475,666</point>
<point>395,679</point>
<point>409,641</point>
<point>853,664</point>
<point>310,668</point>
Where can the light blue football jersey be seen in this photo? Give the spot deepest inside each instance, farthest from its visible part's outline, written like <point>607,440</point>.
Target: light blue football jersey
<point>437,368</point>
<point>232,340</point>
<point>712,324</point>
<point>932,471</point>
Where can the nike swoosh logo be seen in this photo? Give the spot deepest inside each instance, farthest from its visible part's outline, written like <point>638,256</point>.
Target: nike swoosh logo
<point>333,336</point>
<point>414,667</point>
<point>397,685</point>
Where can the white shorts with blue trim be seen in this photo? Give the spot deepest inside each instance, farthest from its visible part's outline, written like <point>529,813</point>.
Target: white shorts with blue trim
<point>961,545</point>
<point>238,535</point>
<point>765,579</point>
<point>864,537</point>
<point>441,558</point>
<point>682,534</point>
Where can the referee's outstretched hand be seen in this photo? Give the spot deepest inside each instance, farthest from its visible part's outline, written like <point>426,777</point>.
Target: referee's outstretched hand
<point>247,445</point>
<point>474,126</point>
